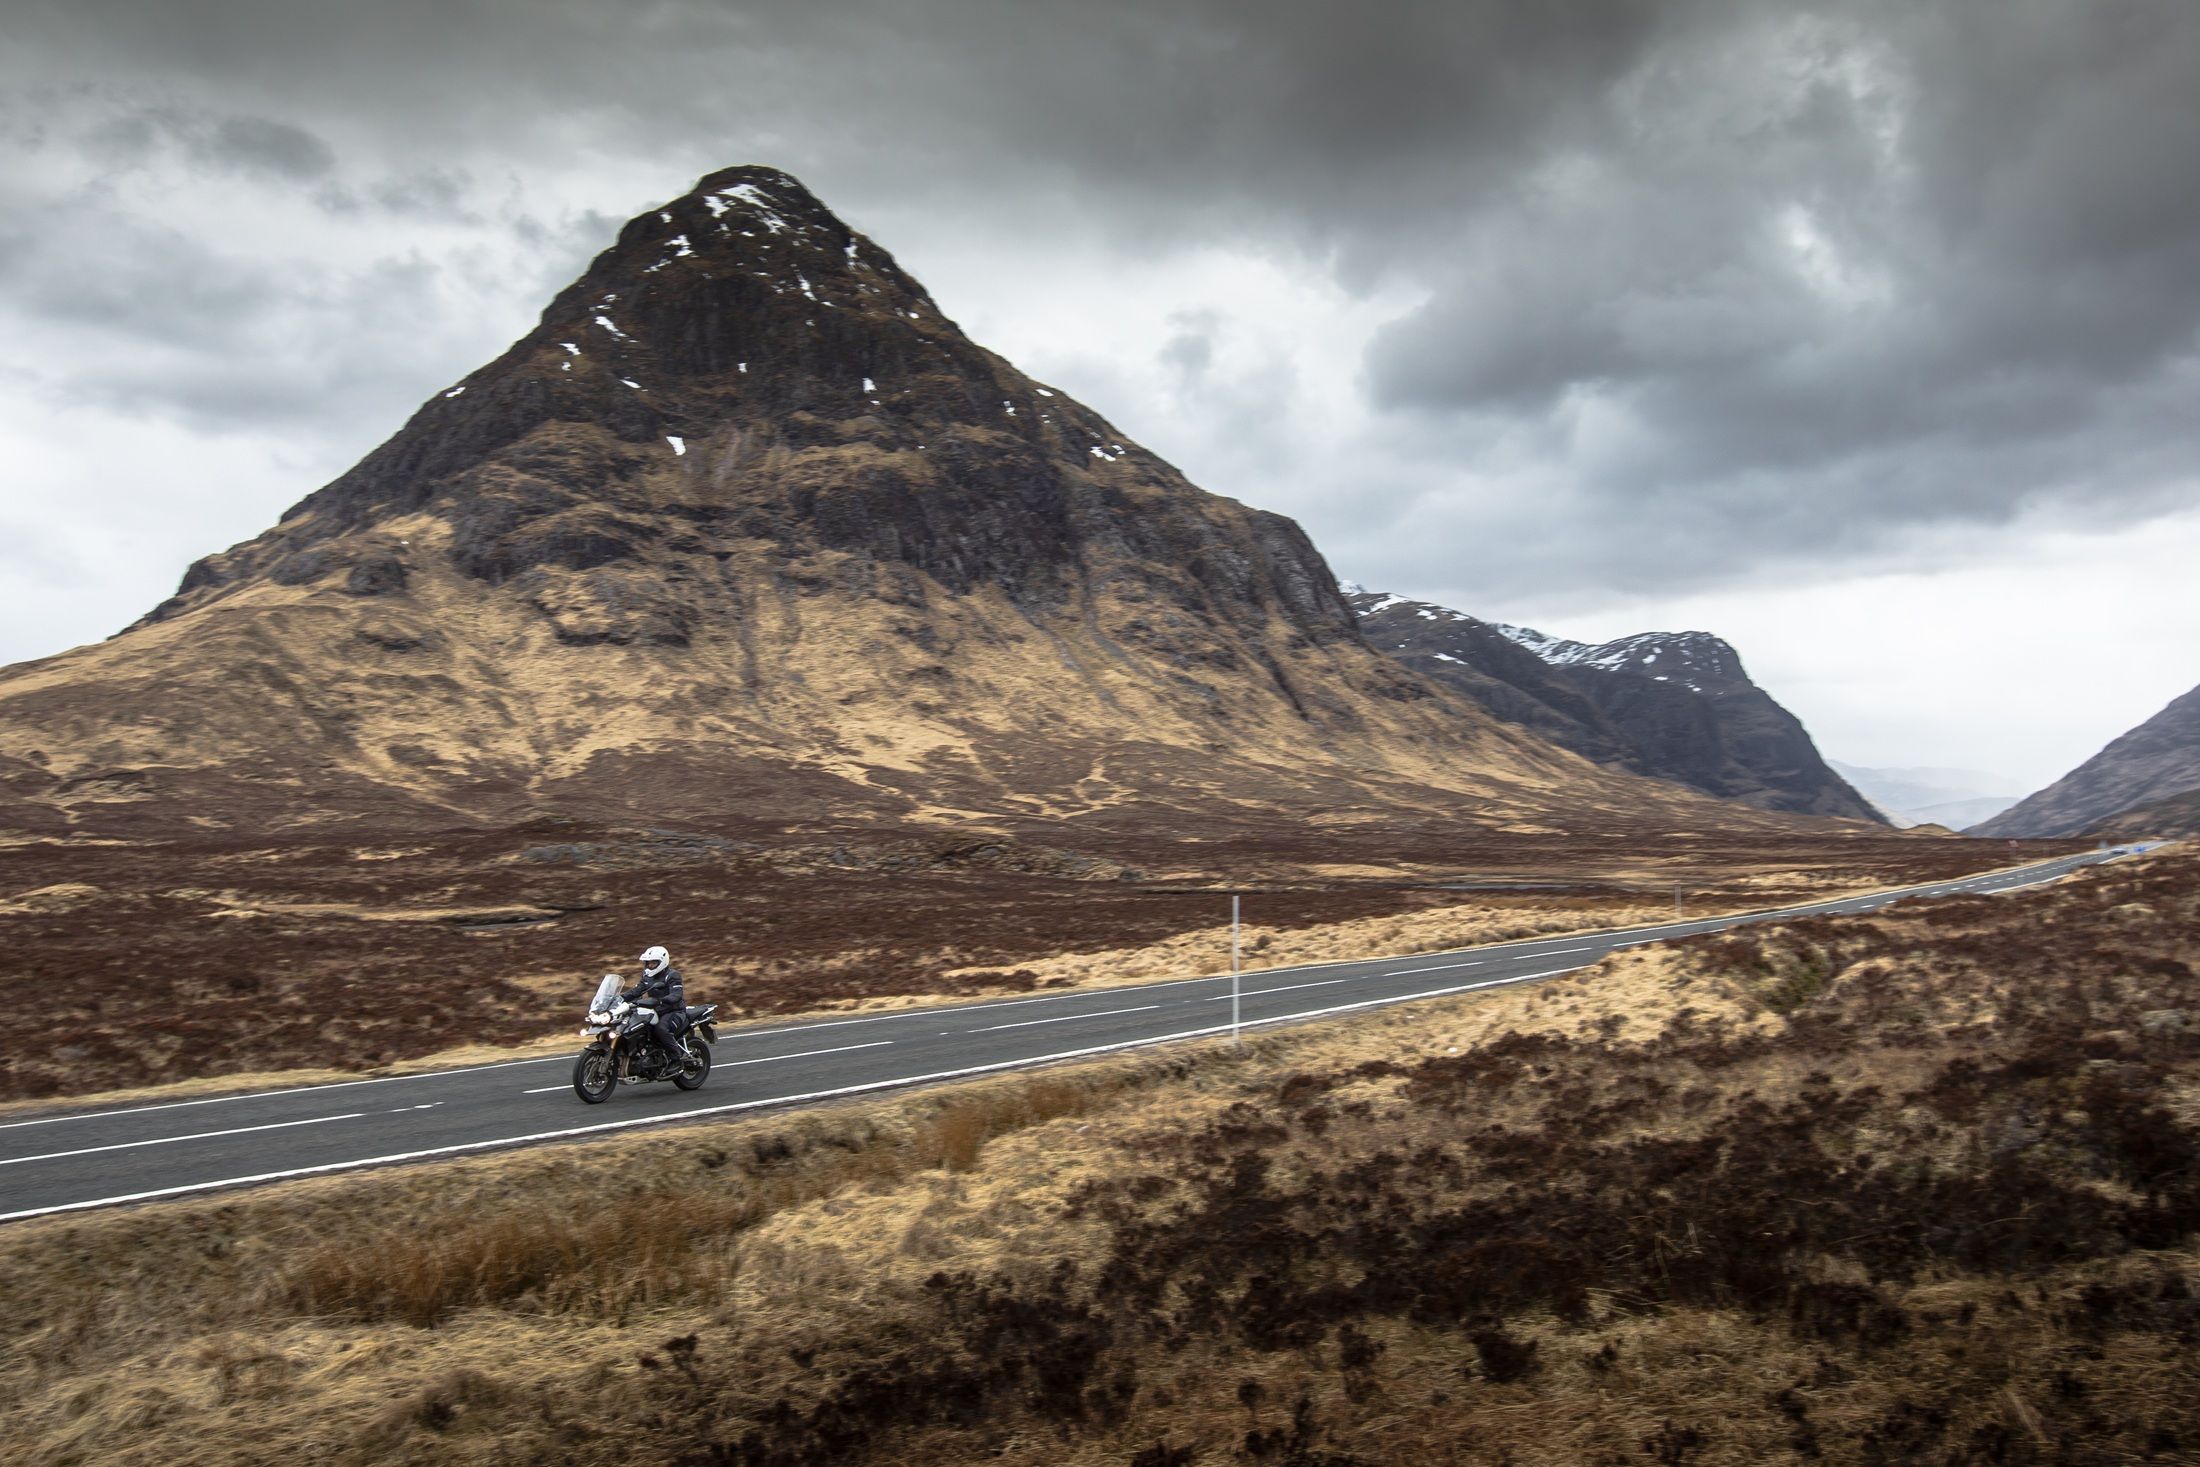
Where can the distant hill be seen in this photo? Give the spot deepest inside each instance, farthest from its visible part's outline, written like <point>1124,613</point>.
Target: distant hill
<point>2157,761</point>
<point>1929,796</point>
<point>1672,705</point>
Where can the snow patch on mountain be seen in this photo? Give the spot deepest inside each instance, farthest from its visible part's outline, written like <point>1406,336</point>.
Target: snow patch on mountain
<point>1697,660</point>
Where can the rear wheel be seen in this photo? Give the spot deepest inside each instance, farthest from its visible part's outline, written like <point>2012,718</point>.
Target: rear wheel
<point>697,1069</point>
<point>593,1077</point>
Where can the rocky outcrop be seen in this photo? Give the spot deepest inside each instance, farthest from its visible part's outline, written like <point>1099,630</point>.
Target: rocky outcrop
<point>1675,706</point>
<point>2157,762</point>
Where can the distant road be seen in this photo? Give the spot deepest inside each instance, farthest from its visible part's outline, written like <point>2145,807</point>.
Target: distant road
<point>101,1158</point>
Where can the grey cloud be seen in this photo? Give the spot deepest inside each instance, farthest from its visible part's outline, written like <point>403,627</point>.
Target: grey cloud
<point>34,554</point>
<point>264,147</point>
<point>111,271</point>
<point>261,145</point>
<point>1943,284</point>
<point>161,324</point>
<point>1710,290</point>
<point>445,195</point>
<point>1191,351</point>
<point>432,193</point>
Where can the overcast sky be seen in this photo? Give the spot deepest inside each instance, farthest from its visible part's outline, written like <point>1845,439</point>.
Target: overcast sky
<point>1865,335</point>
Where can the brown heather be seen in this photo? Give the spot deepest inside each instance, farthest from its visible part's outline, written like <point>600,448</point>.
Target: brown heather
<point>1919,1187</point>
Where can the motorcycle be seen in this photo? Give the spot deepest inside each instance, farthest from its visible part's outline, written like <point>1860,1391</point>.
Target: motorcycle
<point>621,1052</point>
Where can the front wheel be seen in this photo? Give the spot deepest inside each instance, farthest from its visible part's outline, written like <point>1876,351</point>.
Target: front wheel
<point>593,1079</point>
<point>697,1069</point>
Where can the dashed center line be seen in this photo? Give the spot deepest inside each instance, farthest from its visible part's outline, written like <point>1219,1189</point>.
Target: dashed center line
<point>1060,1019</point>
<point>1286,988</point>
<point>805,1054</point>
<point>195,1136</point>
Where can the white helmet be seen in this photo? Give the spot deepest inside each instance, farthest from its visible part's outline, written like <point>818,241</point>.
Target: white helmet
<point>654,961</point>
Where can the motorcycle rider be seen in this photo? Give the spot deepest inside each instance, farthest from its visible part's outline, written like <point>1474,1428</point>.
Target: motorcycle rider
<point>661,990</point>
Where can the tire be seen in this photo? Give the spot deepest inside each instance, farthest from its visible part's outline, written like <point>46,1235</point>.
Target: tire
<point>593,1077</point>
<point>692,1076</point>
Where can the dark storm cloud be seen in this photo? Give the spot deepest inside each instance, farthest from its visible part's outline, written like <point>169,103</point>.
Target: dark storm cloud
<point>430,193</point>
<point>1720,286</point>
<point>1191,350</point>
<point>261,146</point>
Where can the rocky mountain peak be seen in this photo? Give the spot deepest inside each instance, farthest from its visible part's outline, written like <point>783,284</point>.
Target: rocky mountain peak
<point>742,369</point>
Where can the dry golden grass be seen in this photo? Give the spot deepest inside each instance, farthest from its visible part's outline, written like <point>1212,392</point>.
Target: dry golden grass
<point>1471,923</point>
<point>1087,1264</point>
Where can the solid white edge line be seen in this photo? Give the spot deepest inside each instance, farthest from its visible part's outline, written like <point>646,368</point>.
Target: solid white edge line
<point>1733,919</point>
<point>741,1105</point>
<point>545,1090</point>
<point>167,1140</point>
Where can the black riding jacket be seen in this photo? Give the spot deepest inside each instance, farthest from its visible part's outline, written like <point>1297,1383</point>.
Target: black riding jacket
<point>665,993</point>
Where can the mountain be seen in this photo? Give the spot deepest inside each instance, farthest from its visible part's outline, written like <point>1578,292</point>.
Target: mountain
<point>2175,817</point>
<point>1926,796</point>
<point>1953,814</point>
<point>2157,761</point>
<point>747,533</point>
<point>1671,705</point>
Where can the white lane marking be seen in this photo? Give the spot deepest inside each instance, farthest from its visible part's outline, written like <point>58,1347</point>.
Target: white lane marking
<point>805,1054</point>
<point>1478,962</point>
<point>1285,988</point>
<point>1376,1003</point>
<point>739,1105</point>
<point>1012,1003</point>
<point>545,1090</point>
<point>138,1110</point>
<point>166,1140</point>
<point>1062,1018</point>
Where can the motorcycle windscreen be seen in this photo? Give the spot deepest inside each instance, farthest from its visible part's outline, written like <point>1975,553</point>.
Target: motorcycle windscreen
<point>607,994</point>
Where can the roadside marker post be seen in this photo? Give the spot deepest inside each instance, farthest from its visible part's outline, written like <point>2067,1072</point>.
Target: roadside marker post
<point>1235,1037</point>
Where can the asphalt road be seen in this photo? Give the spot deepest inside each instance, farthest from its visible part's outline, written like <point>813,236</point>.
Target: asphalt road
<point>100,1158</point>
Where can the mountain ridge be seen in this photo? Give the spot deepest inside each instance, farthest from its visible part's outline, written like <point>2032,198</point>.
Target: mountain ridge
<point>1668,705</point>
<point>2154,763</point>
